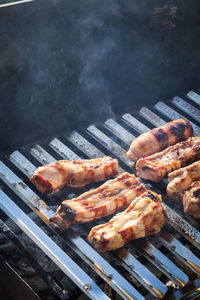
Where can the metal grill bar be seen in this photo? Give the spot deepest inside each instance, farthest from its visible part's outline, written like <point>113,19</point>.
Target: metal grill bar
<point>132,265</point>
<point>183,227</point>
<point>173,115</point>
<point>119,131</point>
<point>109,144</point>
<point>45,157</point>
<point>194,97</point>
<point>151,117</point>
<point>148,279</point>
<point>134,123</point>
<point>85,146</point>
<point>187,107</point>
<point>63,150</point>
<point>165,265</point>
<point>50,248</point>
<point>105,270</point>
<point>180,251</point>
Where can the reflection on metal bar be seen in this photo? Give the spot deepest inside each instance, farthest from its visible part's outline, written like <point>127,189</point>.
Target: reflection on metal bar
<point>194,97</point>
<point>165,265</point>
<point>63,150</point>
<point>142,274</point>
<point>51,249</point>
<point>173,115</point>
<point>45,157</point>
<point>109,144</point>
<point>86,147</point>
<point>119,131</point>
<point>19,160</point>
<point>187,108</point>
<point>184,254</point>
<point>87,253</point>
<point>24,192</point>
<point>151,117</point>
<point>134,123</point>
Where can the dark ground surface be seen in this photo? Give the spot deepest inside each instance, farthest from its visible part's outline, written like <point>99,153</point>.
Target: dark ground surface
<point>68,64</point>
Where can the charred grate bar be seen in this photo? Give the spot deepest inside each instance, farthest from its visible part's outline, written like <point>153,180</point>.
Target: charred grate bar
<point>180,264</point>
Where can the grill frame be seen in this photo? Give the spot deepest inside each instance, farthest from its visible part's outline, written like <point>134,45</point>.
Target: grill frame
<point>109,140</point>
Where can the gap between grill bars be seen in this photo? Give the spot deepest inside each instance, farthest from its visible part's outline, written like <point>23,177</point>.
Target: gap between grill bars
<point>118,130</point>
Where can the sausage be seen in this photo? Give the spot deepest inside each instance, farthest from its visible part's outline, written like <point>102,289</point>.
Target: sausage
<point>160,138</point>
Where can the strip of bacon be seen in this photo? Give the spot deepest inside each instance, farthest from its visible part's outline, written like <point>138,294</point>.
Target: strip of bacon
<point>112,196</point>
<point>76,173</point>
<point>156,166</point>
<point>144,216</point>
<point>160,138</point>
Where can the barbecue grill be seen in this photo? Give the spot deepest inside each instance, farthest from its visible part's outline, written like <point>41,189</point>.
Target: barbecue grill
<point>175,251</point>
<point>82,81</point>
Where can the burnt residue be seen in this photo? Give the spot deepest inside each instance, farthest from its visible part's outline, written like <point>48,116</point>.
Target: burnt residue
<point>162,137</point>
<point>23,185</point>
<point>144,168</point>
<point>99,242</point>
<point>126,182</point>
<point>126,234</point>
<point>104,241</point>
<point>196,193</point>
<point>84,203</point>
<point>66,212</point>
<point>166,236</point>
<point>178,129</point>
<point>152,196</point>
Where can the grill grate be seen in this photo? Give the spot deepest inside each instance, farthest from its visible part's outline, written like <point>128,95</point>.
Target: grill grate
<point>112,138</point>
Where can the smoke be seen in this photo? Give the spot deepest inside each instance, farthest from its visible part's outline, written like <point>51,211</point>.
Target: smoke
<point>68,64</point>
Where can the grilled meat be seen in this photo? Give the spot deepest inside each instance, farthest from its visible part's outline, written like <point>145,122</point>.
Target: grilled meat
<point>160,138</point>
<point>76,173</point>
<point>144,216</point>
<point>156,166</point>
<point>191,200</point>
<point>112,196</point>
<point>180,180</point>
